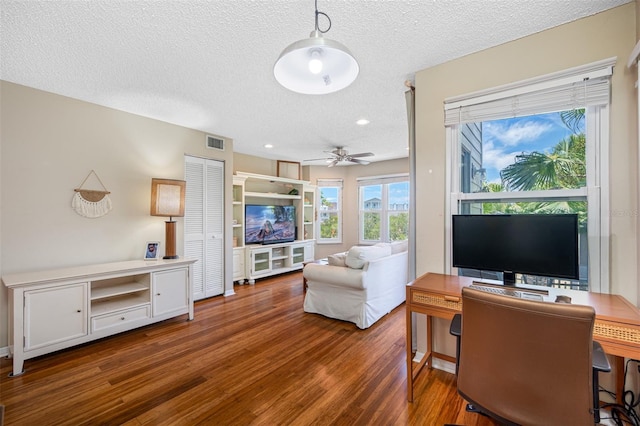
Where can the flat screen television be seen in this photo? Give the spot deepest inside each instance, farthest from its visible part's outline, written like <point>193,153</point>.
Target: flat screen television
<point>542,244</point>
<point>269,224</point>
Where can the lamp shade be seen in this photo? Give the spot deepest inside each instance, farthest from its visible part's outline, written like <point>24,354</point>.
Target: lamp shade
<point>167,197</point>
<point>316,66</point>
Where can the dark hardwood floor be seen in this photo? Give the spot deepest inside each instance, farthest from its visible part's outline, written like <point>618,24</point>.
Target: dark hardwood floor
<point>252,358</point>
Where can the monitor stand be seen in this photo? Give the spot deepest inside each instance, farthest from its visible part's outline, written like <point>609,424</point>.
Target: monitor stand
<point>509,278</point>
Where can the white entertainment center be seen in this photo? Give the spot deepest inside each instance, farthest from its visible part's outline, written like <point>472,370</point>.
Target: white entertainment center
<point>57,309</point>
<point>252,261</point>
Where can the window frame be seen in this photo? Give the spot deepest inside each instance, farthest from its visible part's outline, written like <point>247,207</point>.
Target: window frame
<point>384,210</point>
<point>338,185</point>
<point>596,191</point>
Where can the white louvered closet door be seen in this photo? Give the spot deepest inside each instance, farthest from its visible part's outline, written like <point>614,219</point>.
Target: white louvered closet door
<point>204,224</point>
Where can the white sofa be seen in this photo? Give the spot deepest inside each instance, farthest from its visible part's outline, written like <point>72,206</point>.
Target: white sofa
<point>360,285</point>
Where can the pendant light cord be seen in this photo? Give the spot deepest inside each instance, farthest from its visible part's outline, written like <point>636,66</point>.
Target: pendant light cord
<point>326,16</point>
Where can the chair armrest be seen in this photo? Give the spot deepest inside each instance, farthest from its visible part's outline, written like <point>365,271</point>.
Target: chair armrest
<point>600,361</point>
<point>456,325</point>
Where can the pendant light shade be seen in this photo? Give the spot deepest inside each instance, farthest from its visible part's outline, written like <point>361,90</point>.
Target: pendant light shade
<point>316,66</point>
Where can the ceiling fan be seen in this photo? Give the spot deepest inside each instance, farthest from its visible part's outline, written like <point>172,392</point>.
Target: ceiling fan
<point>340,154</point>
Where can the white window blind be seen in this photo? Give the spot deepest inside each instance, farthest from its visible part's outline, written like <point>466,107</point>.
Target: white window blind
<point>380,180</point>
<point>335,183</point>
<point>578,87</point>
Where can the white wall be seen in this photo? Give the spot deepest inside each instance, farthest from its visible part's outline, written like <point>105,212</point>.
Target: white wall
<point>49,143</point>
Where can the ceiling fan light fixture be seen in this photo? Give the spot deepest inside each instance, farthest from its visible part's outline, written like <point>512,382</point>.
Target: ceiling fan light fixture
<point>340,155</point>
<point>316,65</point>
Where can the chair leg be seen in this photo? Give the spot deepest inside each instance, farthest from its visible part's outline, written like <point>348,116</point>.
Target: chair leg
<point>472,409</point>
<point>596,397</point>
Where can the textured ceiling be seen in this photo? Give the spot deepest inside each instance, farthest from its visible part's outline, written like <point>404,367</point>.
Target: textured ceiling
<point>207,65</point>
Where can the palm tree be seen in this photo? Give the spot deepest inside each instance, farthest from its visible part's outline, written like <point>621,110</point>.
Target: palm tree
<point>564,167</point>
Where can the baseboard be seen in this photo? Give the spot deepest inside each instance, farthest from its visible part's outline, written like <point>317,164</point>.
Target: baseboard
<point>418,356</point>
<point>4,351</point>
<point>443,365</point>
<point>438,363</point>
<point>229,293</point>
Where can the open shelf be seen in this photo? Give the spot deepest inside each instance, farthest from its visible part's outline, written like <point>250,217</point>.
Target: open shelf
<point>105,306</point>
<point>105,291</point>
<point>272,195</point>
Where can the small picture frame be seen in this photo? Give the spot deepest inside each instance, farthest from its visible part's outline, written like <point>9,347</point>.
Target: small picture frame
<point>151,250</point>
<point>288,169</point>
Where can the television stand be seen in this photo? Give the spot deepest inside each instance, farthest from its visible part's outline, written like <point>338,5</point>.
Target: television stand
<point>272,259</point>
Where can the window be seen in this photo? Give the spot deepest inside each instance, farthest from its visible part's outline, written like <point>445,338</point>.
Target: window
<point>329,211</point>
<point>384,209</point>
<point>539,146</point>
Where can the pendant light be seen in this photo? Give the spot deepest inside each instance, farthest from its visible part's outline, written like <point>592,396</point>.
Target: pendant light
<point>316,65</point>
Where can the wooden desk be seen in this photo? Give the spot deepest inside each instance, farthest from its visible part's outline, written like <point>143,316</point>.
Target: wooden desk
<point>617,324</point>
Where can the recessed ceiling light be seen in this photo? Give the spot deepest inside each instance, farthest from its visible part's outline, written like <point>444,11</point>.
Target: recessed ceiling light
<point>268,146</point>
<point>362,122</point>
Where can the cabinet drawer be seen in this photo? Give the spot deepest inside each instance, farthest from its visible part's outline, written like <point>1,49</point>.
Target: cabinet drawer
<point>438,301</point>
<point>119,318</point>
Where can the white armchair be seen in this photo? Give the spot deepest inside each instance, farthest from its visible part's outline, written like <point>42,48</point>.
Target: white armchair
<point>360,286</point>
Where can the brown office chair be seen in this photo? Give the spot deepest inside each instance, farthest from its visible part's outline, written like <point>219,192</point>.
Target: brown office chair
<point>527,362</point>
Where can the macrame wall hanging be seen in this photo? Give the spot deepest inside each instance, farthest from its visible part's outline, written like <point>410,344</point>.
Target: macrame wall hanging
<point>91,203</point>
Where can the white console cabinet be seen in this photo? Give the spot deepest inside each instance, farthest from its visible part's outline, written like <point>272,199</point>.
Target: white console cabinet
<point>53,310</point>
<point>272,259</point>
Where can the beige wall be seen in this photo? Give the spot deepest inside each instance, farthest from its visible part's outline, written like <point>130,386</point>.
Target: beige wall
<point>637,19</point>
<point>608,34</point>
<point>251,164</point>
<point>349,174</point>
<point>49,143</point>
<point>598,37</point>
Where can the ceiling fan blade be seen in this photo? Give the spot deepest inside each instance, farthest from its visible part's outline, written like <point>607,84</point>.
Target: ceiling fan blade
<point>363,162</point>
<point>333,163</point>
<point>318,159</point>
<point>362,154</point>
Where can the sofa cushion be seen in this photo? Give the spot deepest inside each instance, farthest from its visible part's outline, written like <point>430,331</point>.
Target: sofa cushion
<point>338,259</point>
<point>357,256</point>
<point>399,246</point>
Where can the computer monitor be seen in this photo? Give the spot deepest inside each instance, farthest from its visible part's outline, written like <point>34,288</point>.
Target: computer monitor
<point>534,244</point>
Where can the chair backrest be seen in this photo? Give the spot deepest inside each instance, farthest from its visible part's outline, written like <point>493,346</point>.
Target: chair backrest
<point>525,361</point>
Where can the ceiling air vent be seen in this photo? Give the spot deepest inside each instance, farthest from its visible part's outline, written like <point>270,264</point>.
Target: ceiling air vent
<point>215,143</point>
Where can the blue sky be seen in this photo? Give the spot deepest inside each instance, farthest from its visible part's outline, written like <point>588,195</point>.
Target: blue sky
<point>398,192</point>
<point>504,139</point>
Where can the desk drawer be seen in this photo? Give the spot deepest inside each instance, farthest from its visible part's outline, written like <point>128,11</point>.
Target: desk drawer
<point>620,332</point>
<point>421,298</point>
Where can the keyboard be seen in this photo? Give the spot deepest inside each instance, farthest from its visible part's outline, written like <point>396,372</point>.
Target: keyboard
<point>507,292</point>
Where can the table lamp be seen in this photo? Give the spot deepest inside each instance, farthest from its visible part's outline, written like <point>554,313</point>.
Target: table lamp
<point>167,199</point>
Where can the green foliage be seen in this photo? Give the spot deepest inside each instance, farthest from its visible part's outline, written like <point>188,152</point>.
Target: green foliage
<point>329,227</point>
<point>371,226</point>
<point>399,227</point>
